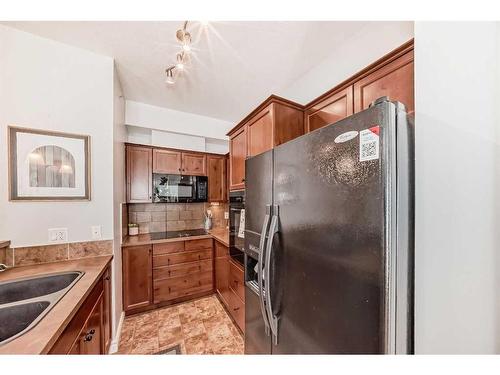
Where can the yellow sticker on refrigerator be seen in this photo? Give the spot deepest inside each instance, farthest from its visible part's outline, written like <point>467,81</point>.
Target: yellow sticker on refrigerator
<point>369,144</point>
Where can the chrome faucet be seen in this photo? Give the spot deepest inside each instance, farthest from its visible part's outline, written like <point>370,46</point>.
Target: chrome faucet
<point>3,267</point>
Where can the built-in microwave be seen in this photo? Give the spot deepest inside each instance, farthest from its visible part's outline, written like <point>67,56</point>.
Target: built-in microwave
<point>173,188</point>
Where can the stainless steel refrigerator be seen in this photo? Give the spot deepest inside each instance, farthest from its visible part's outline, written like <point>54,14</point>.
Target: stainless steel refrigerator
<point>329,239</point>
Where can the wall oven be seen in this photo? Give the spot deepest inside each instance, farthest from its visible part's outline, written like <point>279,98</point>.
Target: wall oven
<point>173,188</point>
<point>237,225</point>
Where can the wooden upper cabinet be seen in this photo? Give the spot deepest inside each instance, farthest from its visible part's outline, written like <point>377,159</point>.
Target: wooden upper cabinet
<point>272,123</point>
<point>194,164</point>
<point>216,178</point>
<point>137,265</point>
<point>139,174</point>
<point>331,109</point>
<point>260,132</point>
<point>394,80</point>
<point>238,154</point>
<point>166,161</point>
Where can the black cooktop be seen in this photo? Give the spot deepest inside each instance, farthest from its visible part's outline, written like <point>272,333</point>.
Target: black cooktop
<point>178,233</point>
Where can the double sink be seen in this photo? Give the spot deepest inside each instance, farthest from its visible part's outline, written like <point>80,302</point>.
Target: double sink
<point>24,302</point>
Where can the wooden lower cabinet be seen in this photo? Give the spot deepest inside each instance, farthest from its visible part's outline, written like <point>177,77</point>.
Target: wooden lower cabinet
<point>87,332</point>
<point>230,284</point>
<point>222,278</point>
<point>106,306</point>
<point>137,277</point>
<point>182,269</point>
<point>166,273</point>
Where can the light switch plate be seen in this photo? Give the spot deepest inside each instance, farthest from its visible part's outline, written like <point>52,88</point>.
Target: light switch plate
<point>226,215</point>
<point>96,232</point>
<point>58,235</point>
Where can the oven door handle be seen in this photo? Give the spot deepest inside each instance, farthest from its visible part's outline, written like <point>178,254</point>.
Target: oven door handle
<point>260,269</point>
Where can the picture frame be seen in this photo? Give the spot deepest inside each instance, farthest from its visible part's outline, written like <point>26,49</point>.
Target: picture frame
<point>47,165</point>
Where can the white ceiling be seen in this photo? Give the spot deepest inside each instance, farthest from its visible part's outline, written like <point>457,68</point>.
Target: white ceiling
<point>235,65</point>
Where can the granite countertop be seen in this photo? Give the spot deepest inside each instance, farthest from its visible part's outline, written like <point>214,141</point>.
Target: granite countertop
<point>41,338</point>
<point>220,234</point>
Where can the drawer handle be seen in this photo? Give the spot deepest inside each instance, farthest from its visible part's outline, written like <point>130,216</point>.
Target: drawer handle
<point>169,273</point>
<point>169,289</point>
<point>199,267</point>
<point>236,309</point>
<point>199,282</point>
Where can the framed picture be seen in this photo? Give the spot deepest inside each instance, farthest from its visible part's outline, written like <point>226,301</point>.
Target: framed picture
<point>48,165</point>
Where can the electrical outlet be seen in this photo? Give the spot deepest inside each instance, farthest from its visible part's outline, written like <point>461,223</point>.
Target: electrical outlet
<point>58,235</point>
<point>226,215</point>
<point>96,232</point>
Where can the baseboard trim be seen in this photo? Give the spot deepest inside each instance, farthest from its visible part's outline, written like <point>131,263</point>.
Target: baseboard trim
<point>113,348</point>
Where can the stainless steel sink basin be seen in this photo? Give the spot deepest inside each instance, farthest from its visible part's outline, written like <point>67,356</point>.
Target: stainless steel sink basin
<point>24,302</point>
<point>24,289</point>
<point>17,318</point>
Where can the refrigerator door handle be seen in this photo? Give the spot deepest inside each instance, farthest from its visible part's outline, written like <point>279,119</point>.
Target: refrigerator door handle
<point>273,229</point>
<point>261,269</point>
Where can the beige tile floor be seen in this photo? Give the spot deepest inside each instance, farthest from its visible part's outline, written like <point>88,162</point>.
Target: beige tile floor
<point>199,327</point>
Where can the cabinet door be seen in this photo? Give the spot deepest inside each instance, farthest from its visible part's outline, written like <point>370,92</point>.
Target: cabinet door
<point>139,174</point>
<point>330,110</point>
<point>92,334</point>
<point>216,178</point>
<point>394,80</point>
<point>137,276</point>
<point>222,278</point>
<point>238,154</point>
<point>106,310</point>
<point>194,164</point>
<point>237,310</point>
<point>260,132</point>
<point>166,161</point>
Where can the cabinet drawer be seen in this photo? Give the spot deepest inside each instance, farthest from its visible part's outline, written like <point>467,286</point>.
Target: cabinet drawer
<point>237,310</point>
<point>178,258</point>
<point>182,269</point>
<point>168,247</point>
<point>221,250</point>
<point>168,289</point>
<point>236,280</point>
<point>205,243</point>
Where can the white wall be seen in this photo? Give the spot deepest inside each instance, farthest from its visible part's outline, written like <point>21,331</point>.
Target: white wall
<point>365,47</point>
<point>160,138</point>
<point>119,137</point>
<point>457,187</point>
<point>159,118</point>
<point>52,86</point>
<point>174,140</point>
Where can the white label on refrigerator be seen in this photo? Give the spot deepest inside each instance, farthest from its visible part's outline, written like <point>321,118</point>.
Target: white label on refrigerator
<point>347,136</point>
<point>369,144</point>
<point>241,229</point>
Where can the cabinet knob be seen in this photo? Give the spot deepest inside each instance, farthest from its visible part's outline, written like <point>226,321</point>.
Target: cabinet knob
<point>242,180</point>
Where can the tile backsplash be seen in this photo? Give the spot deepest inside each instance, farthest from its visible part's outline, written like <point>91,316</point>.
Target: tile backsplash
<point>160,217</point>
<point>25,256</point>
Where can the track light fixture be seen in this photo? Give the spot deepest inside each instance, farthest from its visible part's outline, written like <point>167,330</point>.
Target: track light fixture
<point>184,38</point>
